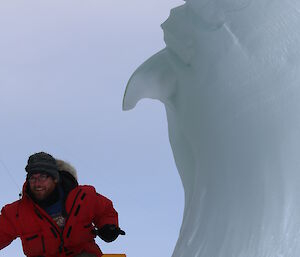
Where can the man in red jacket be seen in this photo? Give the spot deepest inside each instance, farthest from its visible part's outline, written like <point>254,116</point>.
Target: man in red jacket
<point>56,217</point>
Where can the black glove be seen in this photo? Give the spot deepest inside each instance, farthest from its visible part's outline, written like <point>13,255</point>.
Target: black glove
<point>109,232</point>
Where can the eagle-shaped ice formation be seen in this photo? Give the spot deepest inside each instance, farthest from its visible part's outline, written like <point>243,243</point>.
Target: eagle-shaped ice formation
<point>229,78</point>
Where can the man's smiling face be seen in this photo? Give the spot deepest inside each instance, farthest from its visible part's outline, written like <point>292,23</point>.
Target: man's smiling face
<point>41,185</point>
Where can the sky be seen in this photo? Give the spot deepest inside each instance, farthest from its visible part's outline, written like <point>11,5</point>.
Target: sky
<point>64,66</point>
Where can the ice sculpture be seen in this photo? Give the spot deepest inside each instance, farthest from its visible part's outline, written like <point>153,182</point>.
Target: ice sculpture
<point>229,78</point>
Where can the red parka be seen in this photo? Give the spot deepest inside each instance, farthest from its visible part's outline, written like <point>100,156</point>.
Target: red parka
<point>41,236</point>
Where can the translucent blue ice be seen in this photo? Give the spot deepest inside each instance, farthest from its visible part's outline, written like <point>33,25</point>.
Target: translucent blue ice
<point>229,78</point>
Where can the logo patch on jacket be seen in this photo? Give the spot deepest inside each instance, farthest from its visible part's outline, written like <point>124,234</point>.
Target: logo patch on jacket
<point>59,219</point>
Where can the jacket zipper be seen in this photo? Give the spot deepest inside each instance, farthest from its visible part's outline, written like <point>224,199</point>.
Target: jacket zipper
<point>53,226</point>
<point>59,232</point>
<point>67,218</point>
<point>43,244</point>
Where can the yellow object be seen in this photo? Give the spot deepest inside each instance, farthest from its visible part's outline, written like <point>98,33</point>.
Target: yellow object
<point>114,255</point>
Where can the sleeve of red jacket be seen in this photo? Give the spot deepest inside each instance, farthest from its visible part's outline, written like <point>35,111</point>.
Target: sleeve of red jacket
<point>104,212</point>
<point>7,229</point>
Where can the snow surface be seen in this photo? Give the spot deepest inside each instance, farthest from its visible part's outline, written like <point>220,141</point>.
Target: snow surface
<point>229,79</point>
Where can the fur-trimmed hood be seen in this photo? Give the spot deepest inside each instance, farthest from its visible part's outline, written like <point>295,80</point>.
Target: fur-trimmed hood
<point>64,166</point>
<point>68,175</point>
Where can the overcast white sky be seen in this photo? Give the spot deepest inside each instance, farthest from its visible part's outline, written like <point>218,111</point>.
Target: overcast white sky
<point>64,66</point>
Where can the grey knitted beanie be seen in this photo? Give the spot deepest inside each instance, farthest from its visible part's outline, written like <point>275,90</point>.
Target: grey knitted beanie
<point>42,163</point>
